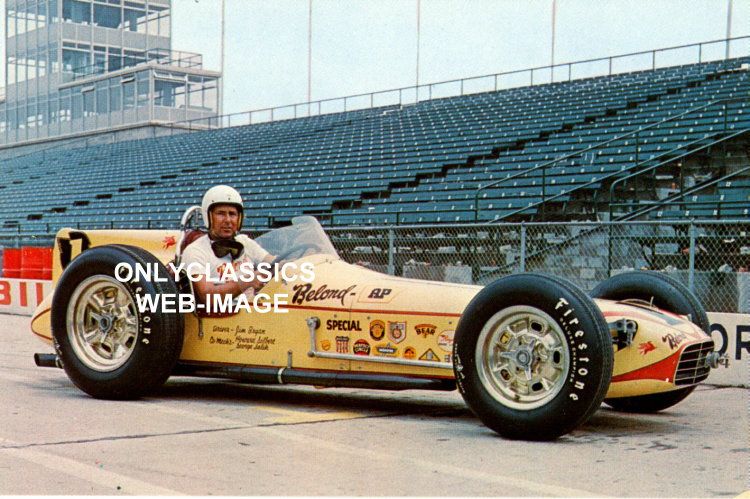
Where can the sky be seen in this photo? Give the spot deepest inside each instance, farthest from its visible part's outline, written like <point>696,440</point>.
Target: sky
<point>361,46</point>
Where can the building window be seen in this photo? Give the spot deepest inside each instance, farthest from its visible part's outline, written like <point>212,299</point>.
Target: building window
<point>100,60</point>
<point>134,17</point>
<point>115,96</point>
<point>53,63</point>
<point>143,89</point>
<point>106,16</point>
<point>114,58</point>
<point>102,99</point>
<point>77,111</point>
<point>53,17</point>
<point>75,11</point>
<point>53,116</point>
<point>75,61</point>
<point>169,93</point>
<point>89,108</point>
<point>133,57</point>
<point>128,93</point>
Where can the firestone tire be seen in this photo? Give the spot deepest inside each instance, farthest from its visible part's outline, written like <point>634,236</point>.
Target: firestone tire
<point>667,294</point>
<point>532,356</point>
<point>107,347</point>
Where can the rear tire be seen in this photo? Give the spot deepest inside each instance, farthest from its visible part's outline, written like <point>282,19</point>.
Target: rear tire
<point>667,294</point>
<point>107,347</point>
<point>533,356</point>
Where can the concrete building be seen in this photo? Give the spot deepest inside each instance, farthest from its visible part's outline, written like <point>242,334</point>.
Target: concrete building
<point>82,67</point>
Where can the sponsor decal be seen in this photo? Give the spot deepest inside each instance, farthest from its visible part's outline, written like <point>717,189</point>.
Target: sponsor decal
<point>342,344</point>
<point>361,347</point>
<point>396,331</point>
<point>370,294</point>
<point>325,345</point>
<point>645,348</point>
<point>379,293</point>
<point>425,330</point>
<point>386,350</point>
<point>305,293</point>
<point>410,353</point>
<point>168,242</point>
<point>377,330</point>
<point>445,340</point>
<point>429,355</point>
<point>674,340</point>
<point>22,296</point>
<point>334,325</point>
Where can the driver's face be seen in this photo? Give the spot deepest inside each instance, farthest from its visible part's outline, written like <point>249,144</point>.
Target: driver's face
<point>225,219</point>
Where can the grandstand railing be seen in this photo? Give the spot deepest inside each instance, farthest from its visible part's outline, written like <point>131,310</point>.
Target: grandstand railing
<point>711,257</point>
<point>712,50</point>
<point>634,133</point>
<point>682,192</point>
<point>678,197</point>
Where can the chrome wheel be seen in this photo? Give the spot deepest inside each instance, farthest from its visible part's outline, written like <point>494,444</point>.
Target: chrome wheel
<point>522,357</point>
<point>102,323</point>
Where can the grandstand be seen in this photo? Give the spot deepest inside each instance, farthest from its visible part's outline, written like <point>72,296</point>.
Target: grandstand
<point>601,148</point>
<point>463,188</point>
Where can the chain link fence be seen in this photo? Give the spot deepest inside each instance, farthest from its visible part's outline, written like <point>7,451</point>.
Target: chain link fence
<point>711,258</point>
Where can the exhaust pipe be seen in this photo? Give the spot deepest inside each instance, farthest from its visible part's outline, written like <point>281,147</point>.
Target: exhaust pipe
<point>47,360</point>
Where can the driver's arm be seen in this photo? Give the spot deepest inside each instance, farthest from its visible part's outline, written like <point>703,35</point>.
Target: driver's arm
<point>202,287</point>
<point>269,258</point>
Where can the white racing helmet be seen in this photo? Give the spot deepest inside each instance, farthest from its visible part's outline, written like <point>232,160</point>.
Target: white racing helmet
<point>220,194</point>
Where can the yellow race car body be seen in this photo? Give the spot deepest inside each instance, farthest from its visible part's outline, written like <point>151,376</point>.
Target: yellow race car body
<point>352,326</point>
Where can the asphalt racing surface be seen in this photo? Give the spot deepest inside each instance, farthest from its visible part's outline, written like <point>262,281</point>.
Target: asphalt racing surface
<point>207,437</point>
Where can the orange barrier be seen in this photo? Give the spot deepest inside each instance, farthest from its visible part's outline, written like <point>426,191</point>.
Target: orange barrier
<point>36,263</point>
<point>12,263</point>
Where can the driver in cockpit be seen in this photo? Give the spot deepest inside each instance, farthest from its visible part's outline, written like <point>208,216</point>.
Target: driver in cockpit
<point>223,245</point>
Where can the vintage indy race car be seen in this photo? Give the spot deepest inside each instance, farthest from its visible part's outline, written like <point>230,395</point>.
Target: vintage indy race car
<point>532,355</point>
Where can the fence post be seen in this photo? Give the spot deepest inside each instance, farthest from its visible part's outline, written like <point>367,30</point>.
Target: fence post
<point>391,259</point>
<point>523,247</point>
<point>691,263</point>
<point>609,244</point>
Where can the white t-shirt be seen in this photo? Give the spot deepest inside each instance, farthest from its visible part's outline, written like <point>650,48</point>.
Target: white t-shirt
<point>200,252</point>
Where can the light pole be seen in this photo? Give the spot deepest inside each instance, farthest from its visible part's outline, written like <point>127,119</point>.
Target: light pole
<point>221,64</point>
<point>309,55</point>
<point>729,26</point>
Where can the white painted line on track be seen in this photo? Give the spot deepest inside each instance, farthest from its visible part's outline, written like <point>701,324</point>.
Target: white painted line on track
<point>89,473</point>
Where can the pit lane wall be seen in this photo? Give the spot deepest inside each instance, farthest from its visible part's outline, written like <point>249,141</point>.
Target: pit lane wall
<point>21,296</point>
<point>731,332</point>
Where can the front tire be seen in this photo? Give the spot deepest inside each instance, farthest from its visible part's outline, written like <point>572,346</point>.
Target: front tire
<point>533,356</point>
<point>108,348</point>
<point>667,294</point>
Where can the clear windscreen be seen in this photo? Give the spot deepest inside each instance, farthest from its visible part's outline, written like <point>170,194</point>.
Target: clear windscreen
<point>303,238</point>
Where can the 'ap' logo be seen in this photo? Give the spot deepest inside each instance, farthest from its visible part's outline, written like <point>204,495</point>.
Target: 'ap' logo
<point>379,293</point>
